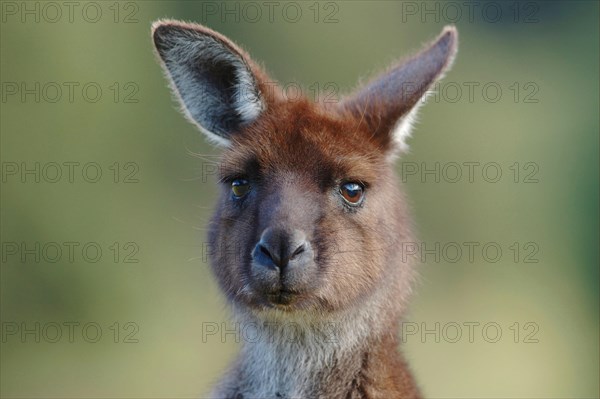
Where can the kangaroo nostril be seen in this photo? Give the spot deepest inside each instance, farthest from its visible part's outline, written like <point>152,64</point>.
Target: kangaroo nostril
<point>298,251</point>
<point>265,251</point>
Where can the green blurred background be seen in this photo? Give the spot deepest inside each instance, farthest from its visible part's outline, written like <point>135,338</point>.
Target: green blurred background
<point>542,55</point>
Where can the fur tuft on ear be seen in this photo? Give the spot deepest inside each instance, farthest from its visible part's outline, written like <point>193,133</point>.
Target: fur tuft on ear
<point>215,81</point>
<point>389,103</point>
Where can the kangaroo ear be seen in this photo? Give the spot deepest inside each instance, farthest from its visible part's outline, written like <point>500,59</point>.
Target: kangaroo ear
<point>218,85</point>
<point>389,103</point>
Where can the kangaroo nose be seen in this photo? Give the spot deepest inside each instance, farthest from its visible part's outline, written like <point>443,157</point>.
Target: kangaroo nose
<point>279,248</point>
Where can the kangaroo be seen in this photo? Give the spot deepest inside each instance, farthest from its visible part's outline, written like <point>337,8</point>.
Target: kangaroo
<point>306,240</point>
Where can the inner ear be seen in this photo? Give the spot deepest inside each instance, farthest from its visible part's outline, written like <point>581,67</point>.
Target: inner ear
<point>214,80</point>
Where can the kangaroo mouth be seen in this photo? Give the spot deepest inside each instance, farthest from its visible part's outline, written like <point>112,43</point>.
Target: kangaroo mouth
<point>283,297</point>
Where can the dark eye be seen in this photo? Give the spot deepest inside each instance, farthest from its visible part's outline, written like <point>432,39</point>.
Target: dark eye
<point>240,187</point>
<point>352,192</point>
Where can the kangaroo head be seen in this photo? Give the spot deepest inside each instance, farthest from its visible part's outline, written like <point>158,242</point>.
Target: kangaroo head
<point>310,217</point>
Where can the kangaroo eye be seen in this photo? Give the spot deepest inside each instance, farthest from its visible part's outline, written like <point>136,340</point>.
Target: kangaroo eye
<point>352,192</point>
<point>240,187</point>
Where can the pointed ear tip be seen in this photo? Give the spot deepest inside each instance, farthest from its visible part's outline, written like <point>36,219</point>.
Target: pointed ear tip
<point>156,24</point>
<point>162,26</point>
<point>450,29</point>
<point>450,33</point>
